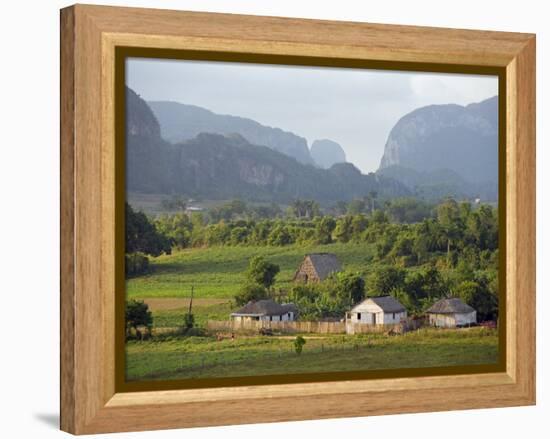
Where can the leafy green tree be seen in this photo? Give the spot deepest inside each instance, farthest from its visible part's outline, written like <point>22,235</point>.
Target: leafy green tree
<point>262,272</point>
<point>449,217</point>
<point>250,292</point>
<point>403,245</point>
<point>350,288</point>
<point>239,235</point>
<point>427,283</point>
<point>260,233</point>
<point>406,300</point>
<point>178,228</point>
<point>279,236</point>
<point>420,246</point>
<point>359,224</point>
<point>478,296</point>
<point>142,235</point>
<point>344,230</point>
<point>386,241</point>
<point>137,316</point>
<point>378,216</point>
<point>324,228</point>
<point>384,279</point>
<point>217,234</point>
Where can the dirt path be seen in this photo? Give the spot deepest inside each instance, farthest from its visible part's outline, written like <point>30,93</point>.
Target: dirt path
<point>169,303</point>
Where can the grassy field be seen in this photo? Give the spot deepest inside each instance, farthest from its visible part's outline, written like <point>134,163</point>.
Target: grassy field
<point>201,357</point>
<point>169,313</point>
<point>216,275</point>
<point>217,272</point>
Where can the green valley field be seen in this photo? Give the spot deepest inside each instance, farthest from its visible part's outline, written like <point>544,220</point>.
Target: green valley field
<point>216,274</point>
<point>204,357</point>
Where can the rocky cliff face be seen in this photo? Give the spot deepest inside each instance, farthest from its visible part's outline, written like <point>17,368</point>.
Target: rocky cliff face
<point>140,120</point>
<point>219,167</point>
<point>180,122</point>
<point>462,139</point>
<point>446,149</point>
<point>326,153</point>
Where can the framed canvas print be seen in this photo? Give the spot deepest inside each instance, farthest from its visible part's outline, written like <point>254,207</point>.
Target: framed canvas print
<point>269,219</point>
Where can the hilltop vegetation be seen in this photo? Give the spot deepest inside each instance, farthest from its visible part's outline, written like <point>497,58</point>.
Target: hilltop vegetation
<point>452,251</point>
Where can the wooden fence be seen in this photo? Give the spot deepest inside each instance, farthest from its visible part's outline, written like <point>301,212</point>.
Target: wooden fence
<point>303,327</point>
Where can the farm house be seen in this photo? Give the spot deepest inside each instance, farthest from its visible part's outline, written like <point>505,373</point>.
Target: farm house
<point>316,267</point>
<point>266,310</point>
<point>381,310</point>
<point>450,313</point>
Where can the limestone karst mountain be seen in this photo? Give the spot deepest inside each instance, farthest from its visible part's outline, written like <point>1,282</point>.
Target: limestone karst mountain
<point>326,153</point>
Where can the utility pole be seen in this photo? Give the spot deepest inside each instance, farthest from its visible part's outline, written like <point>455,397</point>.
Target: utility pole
<point>191,300</point>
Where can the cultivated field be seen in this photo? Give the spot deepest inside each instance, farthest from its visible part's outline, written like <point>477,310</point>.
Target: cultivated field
<point>218,272</point>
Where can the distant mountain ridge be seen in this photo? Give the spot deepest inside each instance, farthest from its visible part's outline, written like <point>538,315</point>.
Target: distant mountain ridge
<point>180,122</point>
<point>445,139</point>
<point>215,166</point>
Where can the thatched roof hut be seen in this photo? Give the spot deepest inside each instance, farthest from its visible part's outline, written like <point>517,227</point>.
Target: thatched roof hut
<point>316,267</point>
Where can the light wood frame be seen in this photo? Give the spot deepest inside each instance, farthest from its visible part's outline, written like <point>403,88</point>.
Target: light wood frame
<point>89,36</point>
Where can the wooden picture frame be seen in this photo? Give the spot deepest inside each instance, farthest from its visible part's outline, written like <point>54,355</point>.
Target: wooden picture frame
<point>90,36</point>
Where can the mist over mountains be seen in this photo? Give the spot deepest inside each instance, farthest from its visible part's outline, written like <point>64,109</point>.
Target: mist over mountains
<point>222,166</point>
<point>180,122</point>
<point>451,146</point>
<point>432,152</point>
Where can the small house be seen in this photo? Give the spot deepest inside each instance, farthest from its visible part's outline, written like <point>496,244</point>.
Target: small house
<point>381,310</point>
<point>266,310</point>
<point>450,313</point>
<point>316,267</point>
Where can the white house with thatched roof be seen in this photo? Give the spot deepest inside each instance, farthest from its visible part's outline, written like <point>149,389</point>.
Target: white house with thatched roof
<point>266,310</point>
<point>316,267</point>
<point>450,313</point>
<point>381,310</point>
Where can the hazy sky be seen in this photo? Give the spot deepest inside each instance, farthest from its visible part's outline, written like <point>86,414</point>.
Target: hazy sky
<point>356,108</point>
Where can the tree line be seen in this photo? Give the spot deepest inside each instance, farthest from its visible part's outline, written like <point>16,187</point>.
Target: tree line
<point>421,252</point>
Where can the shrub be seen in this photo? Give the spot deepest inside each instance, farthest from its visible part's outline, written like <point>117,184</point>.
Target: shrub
<point>299,343</point>
<point>137,316</point>
<point>136,264</point>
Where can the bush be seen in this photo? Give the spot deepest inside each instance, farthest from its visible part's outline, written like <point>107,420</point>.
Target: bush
<point>299,343</point>
<point>136,264</point>
<point>138,316</point>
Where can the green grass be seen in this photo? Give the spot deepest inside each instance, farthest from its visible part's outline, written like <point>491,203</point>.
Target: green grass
<point>216,275</point>
<point>194,357</point>
<point>218,272</point>
<point>173,318</point>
